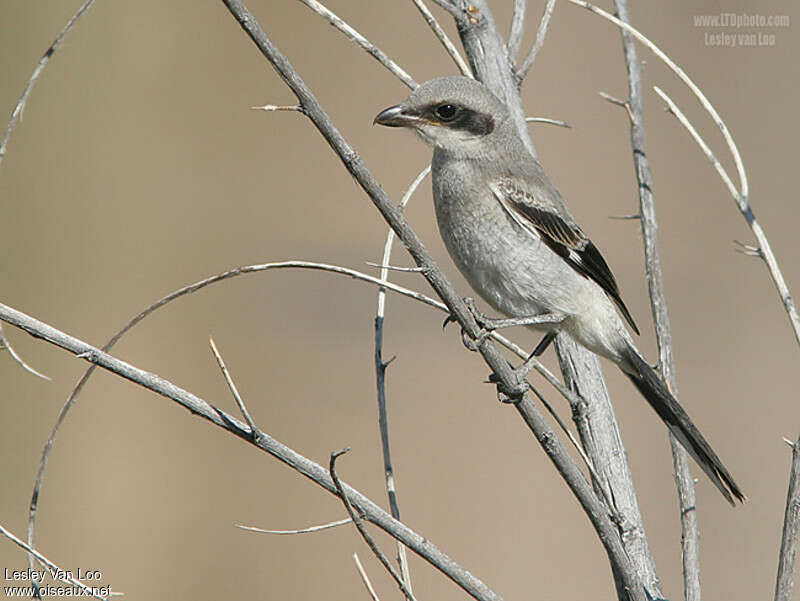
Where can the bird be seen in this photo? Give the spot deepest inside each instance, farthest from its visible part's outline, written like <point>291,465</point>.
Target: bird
<point>511,235</point>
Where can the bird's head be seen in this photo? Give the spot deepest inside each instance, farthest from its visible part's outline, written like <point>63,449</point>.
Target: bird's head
<point>456,114</point>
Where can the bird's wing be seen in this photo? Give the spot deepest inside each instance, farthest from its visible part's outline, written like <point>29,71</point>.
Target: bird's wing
<point>558,230</point>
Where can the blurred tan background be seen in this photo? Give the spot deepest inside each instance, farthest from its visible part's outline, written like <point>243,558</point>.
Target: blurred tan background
<point>138,168</point>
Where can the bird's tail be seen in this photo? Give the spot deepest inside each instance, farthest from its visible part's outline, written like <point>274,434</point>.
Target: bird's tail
<point>677,420</point>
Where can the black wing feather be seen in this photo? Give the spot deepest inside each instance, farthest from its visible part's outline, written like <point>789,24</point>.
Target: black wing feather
<point>570,243</point>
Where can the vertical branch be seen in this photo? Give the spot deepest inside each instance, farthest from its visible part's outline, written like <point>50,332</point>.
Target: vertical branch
<point>791,521</point>
<point>683,479</point>
<point>380,377</point>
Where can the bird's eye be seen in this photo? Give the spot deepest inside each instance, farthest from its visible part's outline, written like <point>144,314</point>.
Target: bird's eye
<point>446,112</point>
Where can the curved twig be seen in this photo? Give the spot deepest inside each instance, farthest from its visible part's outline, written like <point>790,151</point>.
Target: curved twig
<point>16,114</point>
<point>308,530</point>
<point>737,158</point>
<point>5,345</point>
<point>764,249</point>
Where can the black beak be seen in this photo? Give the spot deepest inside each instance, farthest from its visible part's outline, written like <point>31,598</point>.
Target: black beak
<point>394,116</point>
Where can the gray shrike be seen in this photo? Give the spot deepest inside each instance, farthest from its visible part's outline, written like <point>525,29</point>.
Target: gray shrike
<point>514,240</point>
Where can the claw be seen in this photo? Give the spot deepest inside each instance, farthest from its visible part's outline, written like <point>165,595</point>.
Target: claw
<point>447,320</point>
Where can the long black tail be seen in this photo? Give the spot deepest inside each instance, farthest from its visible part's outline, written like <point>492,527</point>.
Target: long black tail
<point>672,414</point>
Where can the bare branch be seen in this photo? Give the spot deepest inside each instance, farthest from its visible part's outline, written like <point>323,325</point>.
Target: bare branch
<point>301,531</point>
<point>365,579</point>
<point>541,34</point>
<point>355,37</point>
<point>5,345</point>
<point>743,202</point>
<point>16,114</point>
<point>517,28</point>
<point>235,391</point>
<point>791,522</point>
<point>197,406</point>
<point>360,527</point>
<point>690,537</point>
<point>442,37</point>
<point>62,575</point>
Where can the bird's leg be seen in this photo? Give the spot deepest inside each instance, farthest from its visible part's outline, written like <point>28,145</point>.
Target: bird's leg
<point>489,324</point>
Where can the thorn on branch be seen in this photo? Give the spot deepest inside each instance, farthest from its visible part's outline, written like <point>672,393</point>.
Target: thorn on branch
<point>360,527</point>
<point>626,217</point>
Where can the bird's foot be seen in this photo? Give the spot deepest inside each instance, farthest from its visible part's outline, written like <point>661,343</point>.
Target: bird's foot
<point>509,394</point>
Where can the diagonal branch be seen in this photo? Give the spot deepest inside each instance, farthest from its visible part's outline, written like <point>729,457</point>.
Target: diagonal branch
<point>442,37</point>
<point>507,378</point>
<point>655,282</point>
<point>355,37</point>
<point>315,472</point>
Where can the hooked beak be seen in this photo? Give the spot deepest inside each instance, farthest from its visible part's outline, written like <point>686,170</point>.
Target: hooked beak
<point>395,116</point>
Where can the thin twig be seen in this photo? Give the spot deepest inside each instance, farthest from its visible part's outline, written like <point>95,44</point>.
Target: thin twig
<point>16,114</point>
<point>442,37</point>
<point>355,37</point>
<point>62,575</point>
<point>791,522</point>
<point>360,527</point>
<point>5,345</point>
<point>301,531</point>
<point>517,28</point>
<point>690,537</point>
<point>623,103</point>
<point>541,34</point>
<point>557,122</point>
<point>685,78</point>
<point>743,202</point>
<point>380,378</point>
<point>365,578</point>
<point>232,386</point>
<point>197,406</point>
